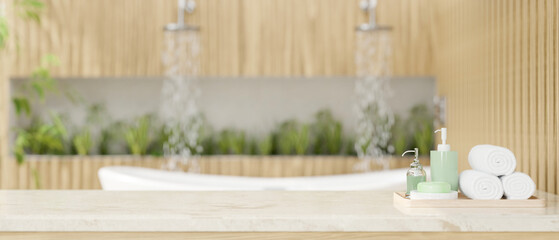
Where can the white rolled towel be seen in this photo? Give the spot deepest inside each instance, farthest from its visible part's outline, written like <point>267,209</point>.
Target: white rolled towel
<point>492,159</point>
<point>518,186</point>
<point>479,185</point>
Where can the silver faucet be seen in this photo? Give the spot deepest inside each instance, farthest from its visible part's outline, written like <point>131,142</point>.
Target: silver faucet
<point>183,6</point>
<point>370,6</point>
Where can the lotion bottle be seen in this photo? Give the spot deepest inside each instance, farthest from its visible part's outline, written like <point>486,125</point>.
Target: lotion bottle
<point>444,163</point>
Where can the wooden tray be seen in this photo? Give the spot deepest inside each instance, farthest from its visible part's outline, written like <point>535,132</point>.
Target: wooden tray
<point>464,202</point>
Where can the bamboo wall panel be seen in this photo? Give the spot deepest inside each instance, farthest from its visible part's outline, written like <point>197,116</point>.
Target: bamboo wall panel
<point>77,172</point>
<point>497,63</point>
<point>239,37</point>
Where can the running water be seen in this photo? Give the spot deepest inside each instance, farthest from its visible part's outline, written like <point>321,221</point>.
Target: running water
<point>374,115</point>
<point>179,95</point>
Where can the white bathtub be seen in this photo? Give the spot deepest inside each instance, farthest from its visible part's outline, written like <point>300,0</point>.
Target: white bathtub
<point>123,178</point>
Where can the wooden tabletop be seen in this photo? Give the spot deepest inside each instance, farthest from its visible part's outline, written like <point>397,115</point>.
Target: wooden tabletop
<point>261,211</point>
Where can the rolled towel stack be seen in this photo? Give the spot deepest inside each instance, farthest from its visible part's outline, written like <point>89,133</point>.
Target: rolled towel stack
<point>489,163</point>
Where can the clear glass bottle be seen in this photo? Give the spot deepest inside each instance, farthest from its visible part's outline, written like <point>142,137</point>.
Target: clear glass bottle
<point>415,173</point>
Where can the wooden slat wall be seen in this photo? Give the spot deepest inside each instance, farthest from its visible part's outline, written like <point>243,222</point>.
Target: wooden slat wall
<point>497,62</point>
<point>238,37</point>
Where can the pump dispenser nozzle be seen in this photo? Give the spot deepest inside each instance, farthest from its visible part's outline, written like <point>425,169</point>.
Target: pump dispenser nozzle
<point>415,150</point>
<point>443,146</point>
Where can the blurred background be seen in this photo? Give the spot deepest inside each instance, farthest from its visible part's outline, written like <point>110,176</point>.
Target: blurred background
<point>270,88</point>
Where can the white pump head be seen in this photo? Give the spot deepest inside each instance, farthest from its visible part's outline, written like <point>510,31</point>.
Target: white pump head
<point>443,146</point>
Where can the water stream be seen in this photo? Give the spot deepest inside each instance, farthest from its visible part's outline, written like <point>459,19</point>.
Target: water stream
<point>180,91</point>
<point>374,115</point>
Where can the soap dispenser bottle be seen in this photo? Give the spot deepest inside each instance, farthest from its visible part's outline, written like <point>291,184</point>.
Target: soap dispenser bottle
<point>415,174</point>
<point>444,163</point>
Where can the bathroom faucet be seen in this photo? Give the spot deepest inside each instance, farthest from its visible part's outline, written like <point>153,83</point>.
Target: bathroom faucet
<point>370,7</point>
<point>183,6</point>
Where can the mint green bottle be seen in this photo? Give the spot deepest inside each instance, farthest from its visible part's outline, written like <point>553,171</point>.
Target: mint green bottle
<point>415,173</point>
<point>444,163</point>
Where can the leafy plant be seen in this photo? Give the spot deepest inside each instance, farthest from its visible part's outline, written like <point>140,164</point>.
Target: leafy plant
<point>110,138</point>
<point>424,138</point>
<point>26,9</point>
<point>82,142</point>
<point>21,105</point>
<point>265,145</point>
<point>4,32</point>
<point>399,136</point>
<point>232,142</point>
<point>41,138</point>
<point>155,147</point>
<point>30,9</point>
<point>41,80</point>
<point>420,123</point>
<point>208,145</point>
<point>40,83</point>
<point>206,139</point>
<point>138,135</point>
<point>349,147</point>
<point>327,133</point>
<point>96,114</point>
<point>292,138</point>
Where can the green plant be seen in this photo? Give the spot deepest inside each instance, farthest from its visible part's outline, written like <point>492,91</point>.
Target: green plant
<point>265,145</point>
<point>27,9</point>
<point>399,136</point>
<point>208,144</point>
<point>96,114</point>
<point>107,135</point>
<point>232,142</point>
<point>420,123</point>
<point>41,82</point>
<point>41,138</point>
<point>41,79</point>
<point>30,9</point>
<point>137,136</point>
<point>292,138</point>
<point>111,139</point>
<point>82,142</point>
<point>206,138</point>
<point>327,134</point>
<point>4,32</point>
<point>424,139</point>
<point>155,147</point>
<point>349,147</point>
<point>21,105</point>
